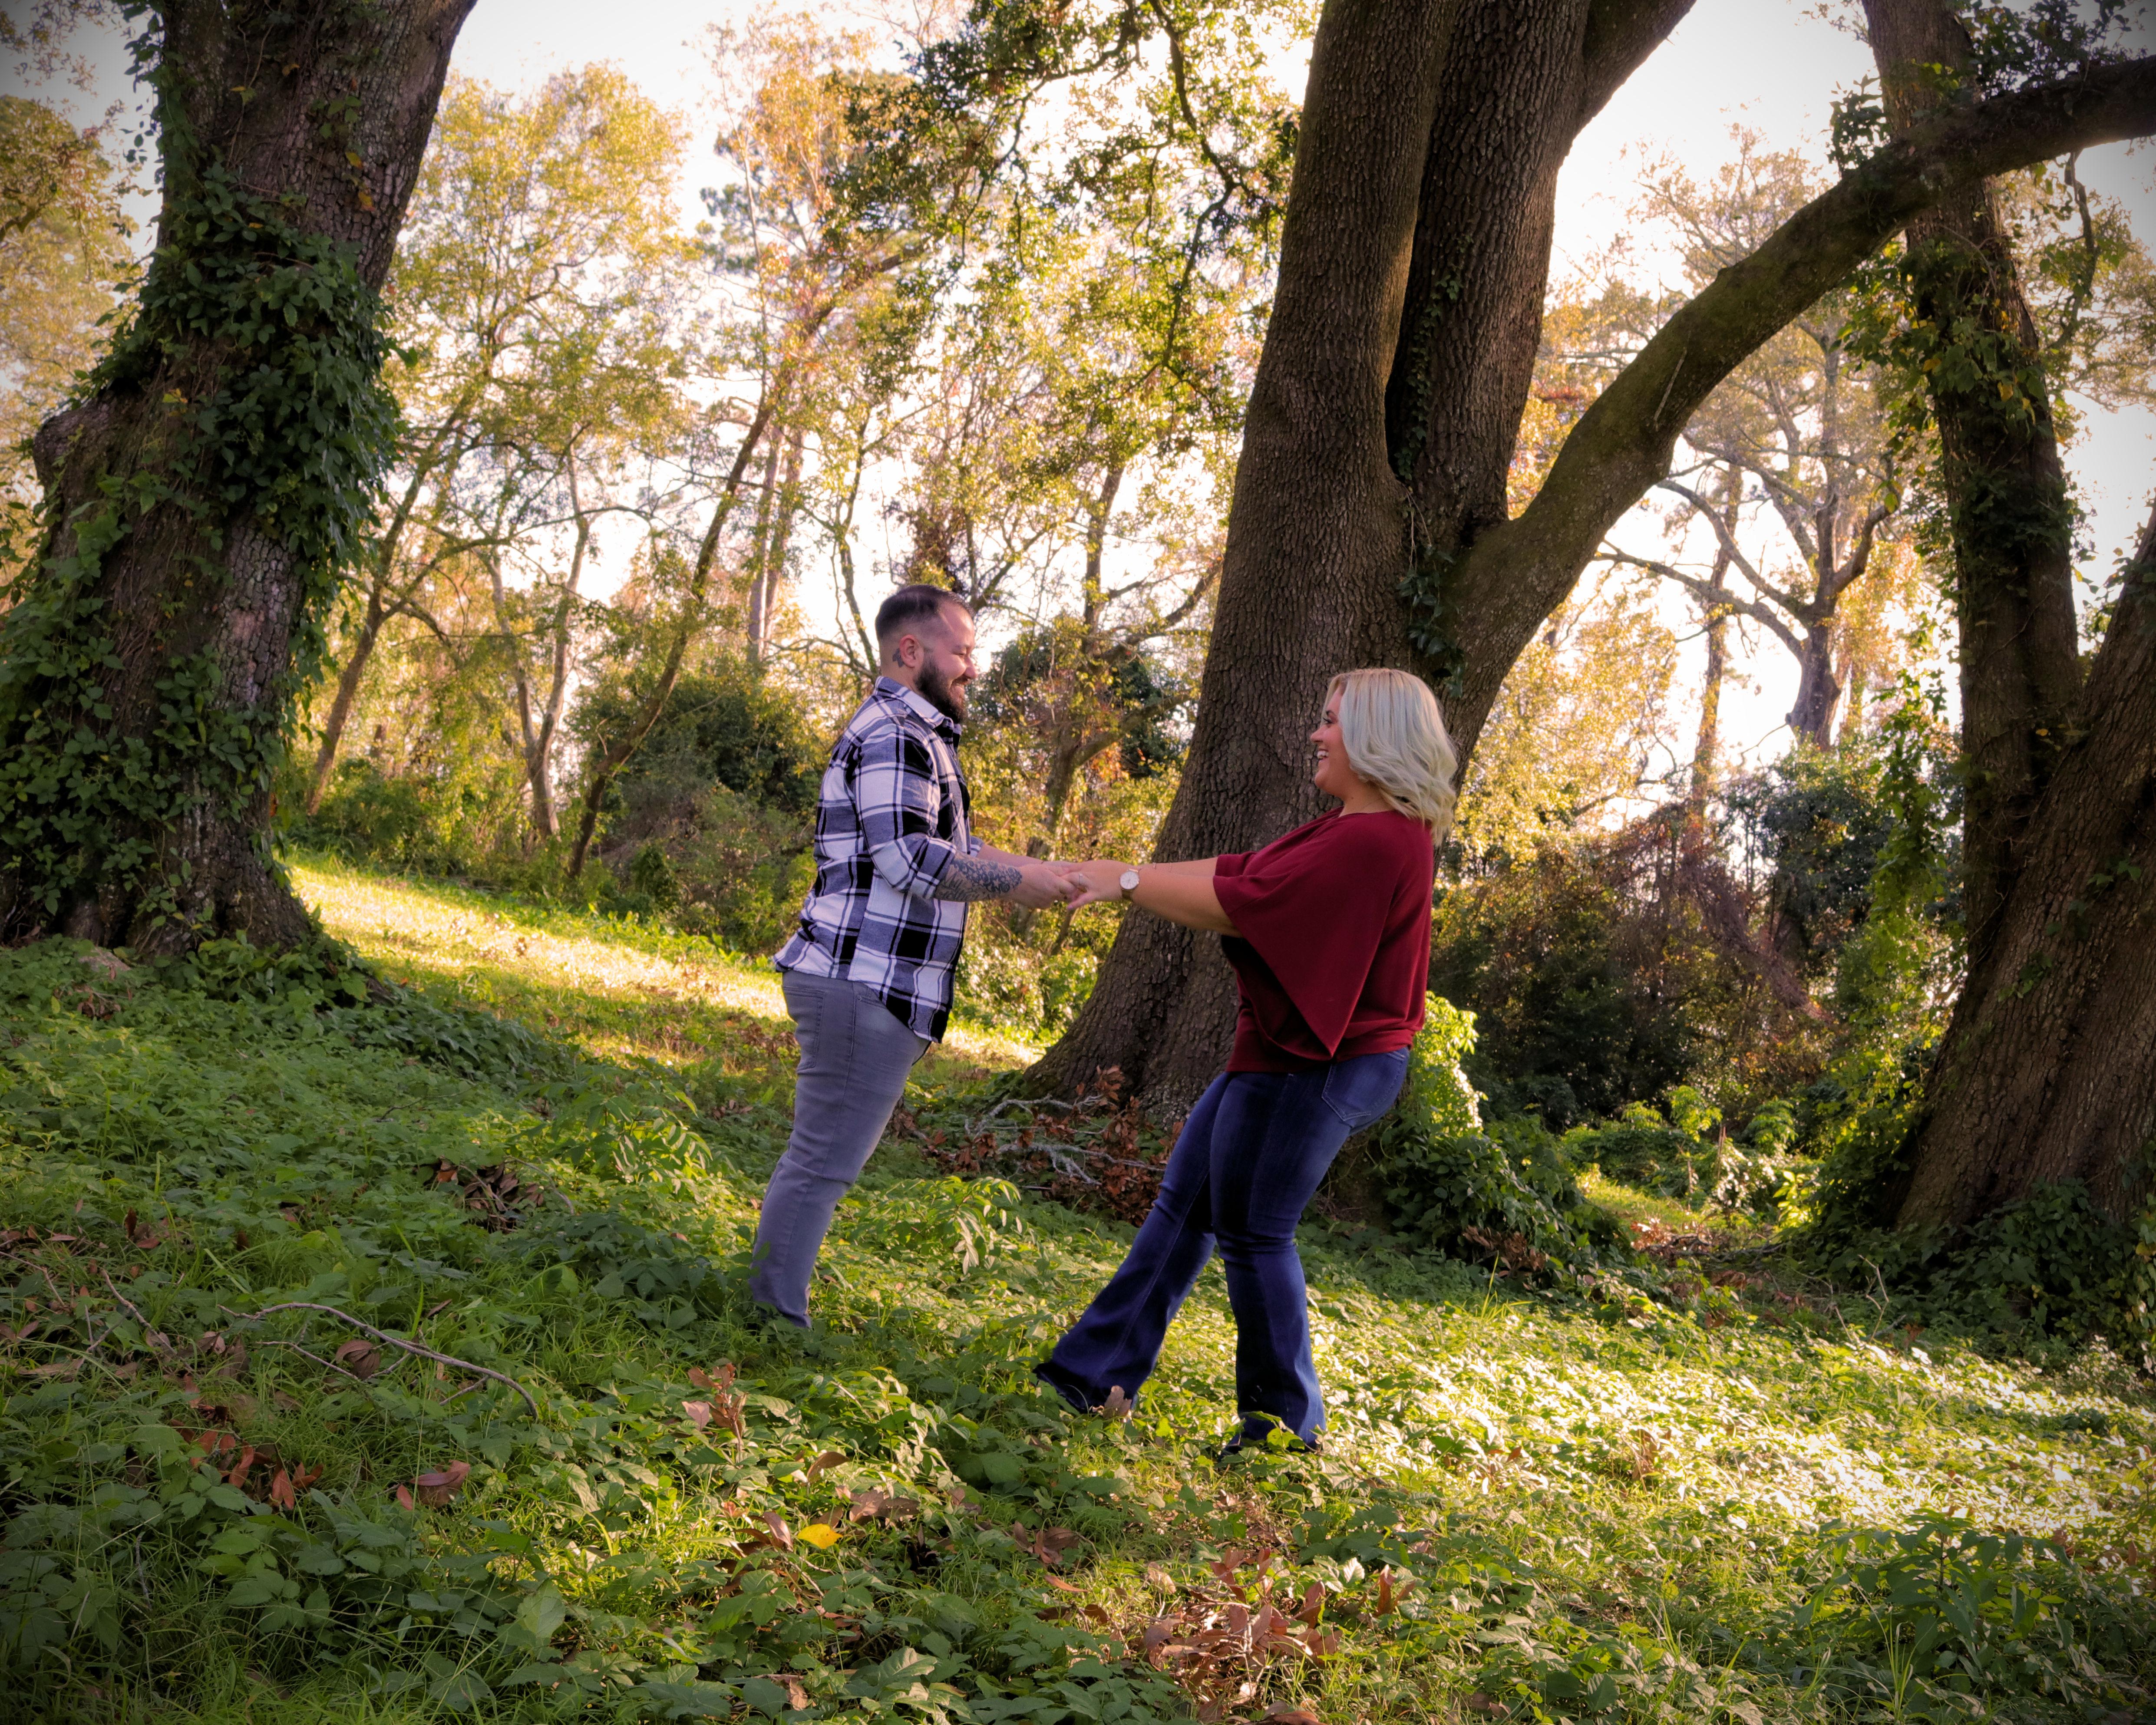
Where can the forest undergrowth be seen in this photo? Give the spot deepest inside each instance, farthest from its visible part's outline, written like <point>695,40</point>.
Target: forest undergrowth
<point>378,1353</point>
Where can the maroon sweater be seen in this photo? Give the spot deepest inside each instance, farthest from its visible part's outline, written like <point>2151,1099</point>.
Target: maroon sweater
<point>1333,957</point>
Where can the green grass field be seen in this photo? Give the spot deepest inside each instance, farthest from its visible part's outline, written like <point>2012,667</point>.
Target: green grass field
<point>1710,1492</point>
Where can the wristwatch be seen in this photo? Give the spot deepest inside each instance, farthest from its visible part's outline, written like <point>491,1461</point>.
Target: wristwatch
<point>1129,883</point>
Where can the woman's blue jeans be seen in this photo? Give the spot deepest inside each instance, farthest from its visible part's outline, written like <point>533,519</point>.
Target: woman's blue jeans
<point>1247,1163</point>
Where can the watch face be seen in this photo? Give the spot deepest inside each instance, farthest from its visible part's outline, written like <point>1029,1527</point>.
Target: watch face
<point>1130,880</point>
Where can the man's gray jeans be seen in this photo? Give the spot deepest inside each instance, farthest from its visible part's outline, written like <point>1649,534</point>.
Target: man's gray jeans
<point>855,1053</point>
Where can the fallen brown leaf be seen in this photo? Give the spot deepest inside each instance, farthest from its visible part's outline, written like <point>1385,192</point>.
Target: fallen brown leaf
<point>874,1504</point>
<point>359,1356</point>
<point>436,1489</point>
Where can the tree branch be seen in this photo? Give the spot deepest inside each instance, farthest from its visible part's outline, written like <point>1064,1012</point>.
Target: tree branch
<point>1716,598</point>
<point>1788,602</point>
<point>1518,572</point>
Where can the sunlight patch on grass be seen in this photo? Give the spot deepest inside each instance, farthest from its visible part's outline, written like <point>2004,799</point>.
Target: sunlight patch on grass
<point>491,954</point>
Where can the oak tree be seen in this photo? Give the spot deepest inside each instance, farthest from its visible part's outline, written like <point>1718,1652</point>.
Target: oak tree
<point>208,484</point>
<point>1369,523</point>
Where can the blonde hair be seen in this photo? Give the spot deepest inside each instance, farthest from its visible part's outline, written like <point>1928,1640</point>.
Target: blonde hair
<point>1395,738</point>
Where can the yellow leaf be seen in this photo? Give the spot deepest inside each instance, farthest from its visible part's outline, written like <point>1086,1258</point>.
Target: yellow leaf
<point>2005,392</point>
<point>352,157</point>
<point>817,1534</point>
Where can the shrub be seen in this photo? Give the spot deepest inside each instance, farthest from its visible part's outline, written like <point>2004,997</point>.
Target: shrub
<point>1689,1157</point>
<point>1502,1192</point>
<point>740,871</point>
<point>1609,970</point>
<point>725,725</point>
<point>651,874</point>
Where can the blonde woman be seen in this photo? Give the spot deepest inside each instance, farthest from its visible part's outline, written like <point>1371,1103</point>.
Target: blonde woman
<point>1328,929</point>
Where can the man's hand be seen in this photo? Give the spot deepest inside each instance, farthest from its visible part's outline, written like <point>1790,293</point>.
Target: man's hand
<point>968,880</point>
<point>1041,885</point>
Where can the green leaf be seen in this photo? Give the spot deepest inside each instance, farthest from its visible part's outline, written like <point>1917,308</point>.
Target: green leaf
<point>543,1613</point>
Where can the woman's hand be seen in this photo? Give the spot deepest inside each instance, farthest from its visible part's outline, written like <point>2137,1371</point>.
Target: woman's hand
<point>1181,892</point>
<point>1092,883</point>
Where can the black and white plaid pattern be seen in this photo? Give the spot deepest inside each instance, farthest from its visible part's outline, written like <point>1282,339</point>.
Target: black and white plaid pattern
<point>889,817</point>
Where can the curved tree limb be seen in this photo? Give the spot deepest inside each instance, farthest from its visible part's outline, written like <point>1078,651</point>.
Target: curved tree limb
<point>1515,573</point>
<point>1713,598</point>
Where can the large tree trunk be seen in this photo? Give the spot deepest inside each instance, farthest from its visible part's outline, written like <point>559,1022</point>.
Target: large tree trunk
<point>1315,525</point>
<point>1317,547</point>
<point>2006,490</point>
<point>1403,340</point>
<point>204,497</point>
<point>2048,1071</point>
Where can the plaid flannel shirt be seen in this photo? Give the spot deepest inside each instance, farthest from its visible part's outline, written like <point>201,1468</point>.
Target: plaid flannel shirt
<point>890,815</point>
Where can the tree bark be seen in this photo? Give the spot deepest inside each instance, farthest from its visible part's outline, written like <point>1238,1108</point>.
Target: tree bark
<point>2000,472</point>
<point>1317,545</point>
<point>118,822</point>
<point>2048,1069</point>
<point>1713,601</point>
<point>1819,693</point>
<point>1314,516</point>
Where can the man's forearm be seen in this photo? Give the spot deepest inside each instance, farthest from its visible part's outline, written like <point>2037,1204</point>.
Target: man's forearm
<point>967,878</point>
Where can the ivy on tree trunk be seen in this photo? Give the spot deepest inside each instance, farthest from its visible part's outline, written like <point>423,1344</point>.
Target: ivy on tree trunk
<point>1974,345</point>
<point>207,489</point>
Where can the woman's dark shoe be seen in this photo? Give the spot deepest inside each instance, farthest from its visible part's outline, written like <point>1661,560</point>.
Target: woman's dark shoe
<point>1048,1373</point>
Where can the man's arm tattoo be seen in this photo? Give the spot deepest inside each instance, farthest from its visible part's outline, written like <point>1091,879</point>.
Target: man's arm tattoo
<point>968,878</point>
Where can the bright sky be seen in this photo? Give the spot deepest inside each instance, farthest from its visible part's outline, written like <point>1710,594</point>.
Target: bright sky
<point>1774,65</point>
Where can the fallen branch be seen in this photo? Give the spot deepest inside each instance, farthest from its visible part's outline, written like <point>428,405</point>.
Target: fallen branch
<point>975,1129</point>
<point>447,1359</point>
<point>154,1337</point>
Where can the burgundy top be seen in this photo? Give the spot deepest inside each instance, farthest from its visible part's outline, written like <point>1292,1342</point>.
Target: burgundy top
<point>1333,957</point>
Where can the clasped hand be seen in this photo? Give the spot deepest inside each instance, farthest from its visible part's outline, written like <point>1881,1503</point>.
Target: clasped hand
<point>1072,884</point>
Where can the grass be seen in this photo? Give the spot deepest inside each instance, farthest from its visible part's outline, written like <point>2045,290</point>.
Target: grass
<point>1710,1492</point>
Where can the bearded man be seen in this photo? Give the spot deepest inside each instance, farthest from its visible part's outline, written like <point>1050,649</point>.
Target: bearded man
<point>869,972</point>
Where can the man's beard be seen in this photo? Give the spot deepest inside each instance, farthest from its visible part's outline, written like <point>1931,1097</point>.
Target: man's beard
<point>940,692</point>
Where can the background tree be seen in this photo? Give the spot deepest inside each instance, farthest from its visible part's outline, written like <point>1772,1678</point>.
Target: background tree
<point>540,293</point>
<point>1796,434</point>
<point>205,490</point>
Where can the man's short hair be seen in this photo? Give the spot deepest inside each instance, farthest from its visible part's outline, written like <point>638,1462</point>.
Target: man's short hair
<point>909,606</point>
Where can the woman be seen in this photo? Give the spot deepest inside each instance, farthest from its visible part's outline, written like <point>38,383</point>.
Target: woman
<point>1328,929</point>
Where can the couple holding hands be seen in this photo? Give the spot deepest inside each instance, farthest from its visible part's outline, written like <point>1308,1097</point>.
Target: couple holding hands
<point>1327,928</point>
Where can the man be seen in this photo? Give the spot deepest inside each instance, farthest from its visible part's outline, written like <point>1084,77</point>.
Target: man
<point>868,972</point>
